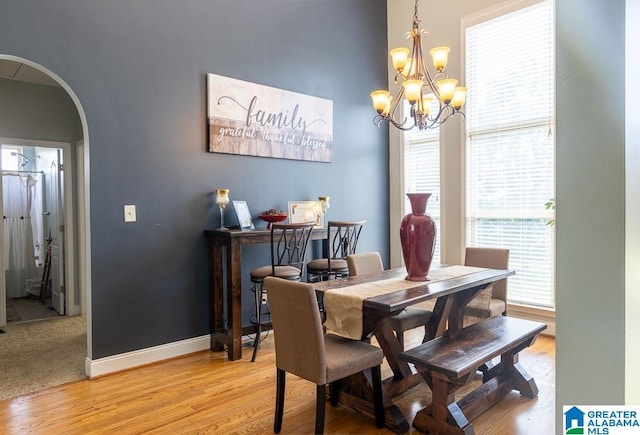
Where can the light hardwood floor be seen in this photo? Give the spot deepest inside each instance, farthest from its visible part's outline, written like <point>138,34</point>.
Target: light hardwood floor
<point>204,393</point>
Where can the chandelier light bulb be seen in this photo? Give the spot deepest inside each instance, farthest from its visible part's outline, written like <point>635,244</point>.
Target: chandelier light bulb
<point>399,58</point>
<point>412,90</point>
<point>381,100</point>
<point>440,57</point>
<point>427,101</point>
<point>446,88</point>
<point>459,97</point>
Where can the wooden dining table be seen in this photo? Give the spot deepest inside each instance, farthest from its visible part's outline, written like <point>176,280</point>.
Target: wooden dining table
<point>452,287</point>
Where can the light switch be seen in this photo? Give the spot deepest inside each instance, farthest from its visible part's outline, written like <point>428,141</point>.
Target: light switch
<point>129,213</point>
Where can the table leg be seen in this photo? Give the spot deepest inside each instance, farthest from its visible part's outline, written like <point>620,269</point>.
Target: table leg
<point>234,298</point>
<point>216,291</point>
<point>438,321</point>
<point>231,335</point>
<point>392,349</point>
<point>355,392</point>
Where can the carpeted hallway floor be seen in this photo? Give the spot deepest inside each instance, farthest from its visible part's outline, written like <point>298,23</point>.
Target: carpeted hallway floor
<point>40,354</point>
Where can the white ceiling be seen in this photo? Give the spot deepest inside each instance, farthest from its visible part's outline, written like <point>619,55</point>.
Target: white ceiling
<point>19,71</point>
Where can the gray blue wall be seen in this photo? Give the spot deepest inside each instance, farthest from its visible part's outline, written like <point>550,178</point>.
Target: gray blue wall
<point>138,69</point>
<point>28,110</point>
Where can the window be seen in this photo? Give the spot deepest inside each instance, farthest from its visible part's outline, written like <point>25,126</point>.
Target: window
<point>10,158</point>
<point>422,173</point>
<point>510,146</point>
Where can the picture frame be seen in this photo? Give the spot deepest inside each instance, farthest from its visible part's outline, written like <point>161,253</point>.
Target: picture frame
<point>244,216</point>
<point>306,211</point>
<point>231,103</point>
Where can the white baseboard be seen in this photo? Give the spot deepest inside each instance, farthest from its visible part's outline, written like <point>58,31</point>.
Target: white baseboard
<point>136,358</point>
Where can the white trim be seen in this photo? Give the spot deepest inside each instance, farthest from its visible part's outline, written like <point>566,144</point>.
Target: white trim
<point>80,196</point>
<point>84,232</point>
<point>136,358</point>
<point>493,12</point>
<point>537,314</point>
<point>66,218</point>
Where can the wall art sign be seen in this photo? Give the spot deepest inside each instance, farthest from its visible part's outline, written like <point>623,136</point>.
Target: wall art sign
<point>251,119</point>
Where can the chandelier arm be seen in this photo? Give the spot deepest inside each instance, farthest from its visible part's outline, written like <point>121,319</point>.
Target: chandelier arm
<point>431,81</point>
<point>439,119</point>
<point>391,115</point>
<point>395,104</point>
<point>402,125</point>
<point>417,55</point>
<point>378,119</point>
<point>442,115</point>
<point>434,89</point>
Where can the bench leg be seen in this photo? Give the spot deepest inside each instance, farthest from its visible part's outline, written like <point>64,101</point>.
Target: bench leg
<point>447,416</point>
<point>425,423</point>
<point>522,381</point>
<point>443,416</point>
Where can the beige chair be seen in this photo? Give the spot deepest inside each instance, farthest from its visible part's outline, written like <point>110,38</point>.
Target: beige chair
<point>411,317</point>
<point>491,301</point>
<point>342,240</point>
<point>289,243</point>
<point>305,351</point>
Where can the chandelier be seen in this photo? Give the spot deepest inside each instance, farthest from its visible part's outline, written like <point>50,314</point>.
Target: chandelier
<point>432,99</point>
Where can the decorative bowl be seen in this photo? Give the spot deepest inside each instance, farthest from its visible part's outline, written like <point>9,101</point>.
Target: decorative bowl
<point>272,218</point>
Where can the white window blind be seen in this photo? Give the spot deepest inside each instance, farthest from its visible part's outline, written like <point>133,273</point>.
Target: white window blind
<point>510,69</point>
<point>422,173</point>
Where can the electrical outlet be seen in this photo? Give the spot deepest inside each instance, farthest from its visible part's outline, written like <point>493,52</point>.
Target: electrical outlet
<point>129,213</point>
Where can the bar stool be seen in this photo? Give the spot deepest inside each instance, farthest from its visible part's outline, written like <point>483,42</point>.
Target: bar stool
<point>342,240</point>
<point>289,244</point>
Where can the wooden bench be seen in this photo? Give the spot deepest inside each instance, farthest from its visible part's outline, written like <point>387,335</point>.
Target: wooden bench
<point>448,363</point>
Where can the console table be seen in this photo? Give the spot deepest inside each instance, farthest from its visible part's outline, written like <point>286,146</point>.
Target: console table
<point>227,244</point>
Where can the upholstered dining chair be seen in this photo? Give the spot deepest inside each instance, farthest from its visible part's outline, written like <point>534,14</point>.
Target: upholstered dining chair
<point>491,301</point>
<point>411,317</point>
<point>303,349</point>
<point>289,243</point>
<point>342,240</point>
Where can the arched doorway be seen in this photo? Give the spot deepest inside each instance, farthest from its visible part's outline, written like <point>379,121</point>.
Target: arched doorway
<point>74,219</point>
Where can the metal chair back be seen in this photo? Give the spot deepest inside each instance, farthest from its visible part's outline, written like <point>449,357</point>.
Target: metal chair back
<point>289,244</point>
<point>342,238</point>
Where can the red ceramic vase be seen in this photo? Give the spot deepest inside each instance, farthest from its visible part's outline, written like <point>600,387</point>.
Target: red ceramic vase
<point>418,238</point>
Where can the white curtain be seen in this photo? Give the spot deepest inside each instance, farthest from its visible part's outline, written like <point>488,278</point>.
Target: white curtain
<point>18,191</point>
